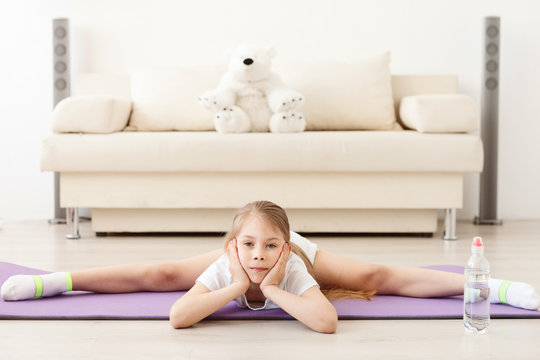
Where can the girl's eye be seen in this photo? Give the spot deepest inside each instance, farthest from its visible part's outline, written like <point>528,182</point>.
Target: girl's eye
<point>271,246</point>
<point>247,243</point>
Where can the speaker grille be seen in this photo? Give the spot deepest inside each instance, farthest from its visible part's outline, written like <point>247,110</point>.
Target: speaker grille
<point>492,66</point>
<point>60,50</point>
<point>60,31</point>
<point>492,49</point>
<point>492,31</point>
<point>492,83</point>
<point>61,80</point>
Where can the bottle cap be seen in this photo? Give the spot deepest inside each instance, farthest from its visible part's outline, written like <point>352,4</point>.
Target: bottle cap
<point>477,242</point>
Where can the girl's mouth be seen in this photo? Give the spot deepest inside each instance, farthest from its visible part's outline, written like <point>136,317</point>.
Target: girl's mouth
<point>258,269</point>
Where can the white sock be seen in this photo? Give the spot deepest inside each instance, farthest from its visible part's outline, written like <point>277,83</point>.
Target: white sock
<point>475,295</point>
<point>517,294</point>
<point>22,287</point>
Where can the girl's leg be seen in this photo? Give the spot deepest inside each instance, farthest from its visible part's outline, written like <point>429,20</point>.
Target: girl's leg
<point>173,276</point>
<point>180,275</point>
<point>335,271</point>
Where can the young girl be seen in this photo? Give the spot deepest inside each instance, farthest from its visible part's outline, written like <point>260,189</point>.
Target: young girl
<point>264,266</point>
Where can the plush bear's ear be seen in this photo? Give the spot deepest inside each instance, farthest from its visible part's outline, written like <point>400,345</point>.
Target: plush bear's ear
<point>270,50</point>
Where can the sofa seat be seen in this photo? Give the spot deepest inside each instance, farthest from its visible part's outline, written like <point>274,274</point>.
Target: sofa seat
<point>358,181</point>
<point>324,151</point>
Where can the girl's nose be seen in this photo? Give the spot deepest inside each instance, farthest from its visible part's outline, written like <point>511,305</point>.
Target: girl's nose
<point>258,256</point>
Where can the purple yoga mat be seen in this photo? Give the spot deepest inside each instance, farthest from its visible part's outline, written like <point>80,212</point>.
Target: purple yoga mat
<point>148,305</point>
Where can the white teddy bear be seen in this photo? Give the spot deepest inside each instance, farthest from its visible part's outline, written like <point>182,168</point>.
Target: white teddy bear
<point>250,97</point>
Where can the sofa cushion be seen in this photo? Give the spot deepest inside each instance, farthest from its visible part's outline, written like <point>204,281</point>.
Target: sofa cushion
<point>166,99</point>
<point>339,96</point>
<point>439,113</point>
<point>318,151</point>
<point>91,114</point>
<point>345,96</point>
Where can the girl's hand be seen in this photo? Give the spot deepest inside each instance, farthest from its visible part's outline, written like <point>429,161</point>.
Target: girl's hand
<point>277,273</point>
<point>235,268</point>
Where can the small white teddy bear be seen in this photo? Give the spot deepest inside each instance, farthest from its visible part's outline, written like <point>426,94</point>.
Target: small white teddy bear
<point>250,97</point>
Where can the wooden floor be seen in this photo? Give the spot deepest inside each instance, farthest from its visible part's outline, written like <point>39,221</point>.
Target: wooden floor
<point>512,249</point>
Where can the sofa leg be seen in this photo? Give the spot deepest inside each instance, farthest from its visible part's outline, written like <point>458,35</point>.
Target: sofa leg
<point>72,217</point>
<point>450,224</point>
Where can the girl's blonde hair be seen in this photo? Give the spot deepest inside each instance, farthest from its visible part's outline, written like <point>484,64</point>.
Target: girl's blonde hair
<point>276,216</point>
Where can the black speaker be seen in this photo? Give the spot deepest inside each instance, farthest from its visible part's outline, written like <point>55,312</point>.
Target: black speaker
<point>61,90</point>
<point>491,66</point>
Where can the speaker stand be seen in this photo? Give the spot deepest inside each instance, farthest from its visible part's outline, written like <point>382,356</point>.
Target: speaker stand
<point>57,221</point>
<point>478,221</point>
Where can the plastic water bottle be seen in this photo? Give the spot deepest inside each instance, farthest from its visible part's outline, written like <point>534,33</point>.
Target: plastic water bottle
<point>476,295</point>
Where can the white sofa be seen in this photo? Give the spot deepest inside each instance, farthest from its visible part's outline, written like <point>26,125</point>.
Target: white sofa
<point>143,155</point>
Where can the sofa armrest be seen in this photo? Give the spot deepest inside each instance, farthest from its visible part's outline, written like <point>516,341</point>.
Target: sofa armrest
<point>91,114</point>
<point>445,113</point>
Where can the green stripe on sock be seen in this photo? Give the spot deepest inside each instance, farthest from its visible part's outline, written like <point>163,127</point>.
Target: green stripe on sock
<point>502,291</point>
<point>472,295</point>
<point>39,286</point>
<point>69,282</point>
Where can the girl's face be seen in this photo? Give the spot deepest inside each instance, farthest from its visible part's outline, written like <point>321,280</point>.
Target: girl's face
<point>259,247</point>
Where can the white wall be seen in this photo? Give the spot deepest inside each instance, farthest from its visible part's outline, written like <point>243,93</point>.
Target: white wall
<point>424,36</point>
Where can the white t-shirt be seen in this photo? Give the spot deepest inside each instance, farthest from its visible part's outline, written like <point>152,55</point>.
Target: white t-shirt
<point>309,248</point>
<point>296,281</point>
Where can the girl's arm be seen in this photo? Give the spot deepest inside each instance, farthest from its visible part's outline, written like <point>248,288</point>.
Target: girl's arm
<point>199,301</point>
<point>311,308</point>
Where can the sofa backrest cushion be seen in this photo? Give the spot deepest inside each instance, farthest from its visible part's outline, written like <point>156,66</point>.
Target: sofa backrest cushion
<point>166,99</point>
<point>339,96</point>
<point>117,86</point>
<point>345,96</point>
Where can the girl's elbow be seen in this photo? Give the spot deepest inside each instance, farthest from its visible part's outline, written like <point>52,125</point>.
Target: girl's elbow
<point>178,321</point>
<point>175,323</point>
<point>327,327</point>
<point>328,324</point>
